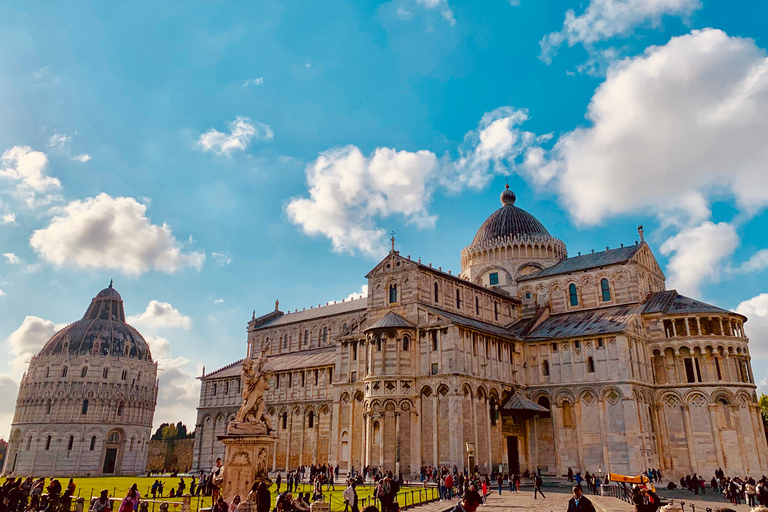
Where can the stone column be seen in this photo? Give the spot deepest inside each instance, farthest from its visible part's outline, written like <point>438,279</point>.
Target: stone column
<point>416,449</point>
<point>740,437</point>
<point>397,442</point>
<point>582,464</point>
<point>488,433</point>
<point>689,436</point>
<point>333,448</point>
<point>435,410</point>
<point>351,425</point>
<point>363,436</point>
<point>474,428</point>
<point>301,441</point>
<point>368,439</point>
<point>716,435</point>
<point>317,437</point>
<point>604,435</point>
<point>288,441</point>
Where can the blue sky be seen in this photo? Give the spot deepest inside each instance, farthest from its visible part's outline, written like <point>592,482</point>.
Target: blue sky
<point>213,157</point>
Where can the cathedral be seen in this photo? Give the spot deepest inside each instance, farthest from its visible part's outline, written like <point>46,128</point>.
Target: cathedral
<point>525,358</point>
<point>86,402</point>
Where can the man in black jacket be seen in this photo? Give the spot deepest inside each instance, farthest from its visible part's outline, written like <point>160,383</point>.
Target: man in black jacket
<point>579,502</point>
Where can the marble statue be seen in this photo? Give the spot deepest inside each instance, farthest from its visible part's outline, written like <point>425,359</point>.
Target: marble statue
<point>251,417</point>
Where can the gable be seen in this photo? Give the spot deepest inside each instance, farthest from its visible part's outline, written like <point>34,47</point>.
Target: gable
<point>645,258</point>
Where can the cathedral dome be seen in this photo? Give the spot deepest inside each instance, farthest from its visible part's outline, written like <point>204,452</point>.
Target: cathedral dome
<point>509,221</point>
<point>101,331</point>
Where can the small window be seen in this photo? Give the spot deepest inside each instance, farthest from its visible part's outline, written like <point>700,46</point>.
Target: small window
<point>477,306</point>
<point>545,368</point>
<point>600,343</point>
<point>48,443</point>
<point>138,378</point>
<point>303,379</point>
<point>120,409</point>
<point>576,344</point>
<point>317,377</point>
<point>573,294</point>
<point>285,420</point>
<point>378,345</point>
<point>330,375</point>
<point>433,335</point>
<point>325,335</point>
<point>277,381</point>
<point>84,372</point>
<point>528,295</point>
<point>494,411</point>
<point>698,369</point>
<point>133,440</point>
<point>311,419</point>
<point>717,367</point>
<point>48,372</point>
<point>354,351</point>
<point>29,443</point>
<point>605,289</point>
<point>554,347</point>
<point>48,407</point>
<point>458,298</point>
<point>353,377</point>
<point>64,372</point>
<point>215,388</point>
<point>105,373</point>
<point>392,293</point>
<point>690,377</point>
<point>306,337</point>
<point>406,343</point>
<point>226,387</point>
<point>590,365</point>
<point>93,443</point>
<point>544,402</point>
<point>474,345</point>
<point>84,410</point>
<point>290,380</point>
<point>434,368</point>
<point>494,278</point>
<point>70,443</point>
<point>437,293</point>
<point>496,311</point>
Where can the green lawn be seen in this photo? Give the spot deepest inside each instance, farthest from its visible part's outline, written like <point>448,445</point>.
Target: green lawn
<point>118,487</point>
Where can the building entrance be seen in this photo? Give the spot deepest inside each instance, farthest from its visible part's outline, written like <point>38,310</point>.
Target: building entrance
<point>109,460</point>
<point>513,455</point>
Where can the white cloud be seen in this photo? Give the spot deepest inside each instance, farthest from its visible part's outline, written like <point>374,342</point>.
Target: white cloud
<point>670,129</point>
<point>358,295</point>
<point>84,157</point>
<point>179,392</point>
<point>8,218</point>
<point>253,81</point>
<point>755,263</point>
<point>440,6</point>
<point>1,292</point>
<point>58,140</point>
<point>606,19</point>
<point>9,390</point>
<point>159,347</point>
<point>222,258</point>
<point>107,232</point>
<point>28,169</point>
<point>242,130</point>
<point>349,191</point>
<point>160,315</point>
<point>697,254</point>
<point>29,338</point>
<point>11,258</point>
<point>218,301</point>
<point>756,311</point>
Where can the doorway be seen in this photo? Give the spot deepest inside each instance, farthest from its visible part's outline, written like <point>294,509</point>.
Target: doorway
<point>109,460</point>
<point>513,455</point>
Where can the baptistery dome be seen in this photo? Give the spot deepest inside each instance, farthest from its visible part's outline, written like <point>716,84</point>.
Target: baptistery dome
<point>102,331</point>
<point>90,393</point>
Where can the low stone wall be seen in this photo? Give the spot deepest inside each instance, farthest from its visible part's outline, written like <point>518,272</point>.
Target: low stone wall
<point>170,455</point>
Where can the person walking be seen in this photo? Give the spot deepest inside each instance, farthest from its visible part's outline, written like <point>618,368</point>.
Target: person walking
<point>278,481</point>
<point>579,502</point>
<point>350,498</point>
<point>537,483</point>
<point>500,481</point>
<point>217,478</point>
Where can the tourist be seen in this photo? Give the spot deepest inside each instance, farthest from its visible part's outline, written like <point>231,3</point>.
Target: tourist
<point>131,499</point>
<point>350,498</point>
<point>469,504</point>
<point>221,505</point>
<point>500,481</point>
<point>448,484</point>
<point>570,474</point>
<point>182,486</point>
<point>484,487</point>
<point>102,503</point>
<point>579,502</point>
<point>155,485</point>
<point>235,503</point>
<point>298,503</point>
<point>172,494</point>
<point>278,481</point>
<point>192,487</point>
<point>284,502</point>
<point>217,478</point>
<point>263,498</point>
<point>160,489</point>
<point>538,482</point>
<point>517,482</point>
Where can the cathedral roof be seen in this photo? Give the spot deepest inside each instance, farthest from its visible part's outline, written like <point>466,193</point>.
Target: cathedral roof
<point>587,261</point>
<point>472,323</point>
<point>103,325</point>
<point>390,320</point>
<point>348,306</point>
<point>670,302</point>
<point>592,322</point>
<point>509,221</point>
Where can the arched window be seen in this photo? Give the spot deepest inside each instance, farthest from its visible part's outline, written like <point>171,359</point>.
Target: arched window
<point>573,294</point>
<point>545,367</point>
<point>93,443</point>
<point>376,433</point>
<point>437,293</point>
<point>590,365</point>
<point>406,343</point>
<point>114,437</point>
<point>64,372</point>
<point>48,443</point>
<point>311,419</point>
<point>48,407</point>
<point>477,306</point>
<point>544,402</point>
<point>306,337</point>
<point>285,420</point>
<point>354,351</point>
<point>105,373</point>
<point>392,293</point>
<point>84,373</point>
<point>29,442</point>
<point>494,410</point>
<point>458,298</point>
<point>378,345</point>
<point>726,412</point>
<point>85,407</point>
<point>70,443</point>
<point>133,440</point>
<point>325,335</point>
<point>120,409</point>
<point>605,289</point>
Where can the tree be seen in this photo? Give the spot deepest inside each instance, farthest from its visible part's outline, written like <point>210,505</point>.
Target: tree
<point>158,435</point>
<point>182,431</point>
<point>170,433</point>
<point>763,403</point>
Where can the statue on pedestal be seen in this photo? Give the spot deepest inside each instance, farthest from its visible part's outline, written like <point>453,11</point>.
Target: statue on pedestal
<point>251,417</point>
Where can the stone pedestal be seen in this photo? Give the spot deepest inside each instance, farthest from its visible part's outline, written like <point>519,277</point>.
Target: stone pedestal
<point>245,461</point>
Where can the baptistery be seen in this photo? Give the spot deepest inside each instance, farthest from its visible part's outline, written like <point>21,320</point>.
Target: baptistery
<point>86,402</point>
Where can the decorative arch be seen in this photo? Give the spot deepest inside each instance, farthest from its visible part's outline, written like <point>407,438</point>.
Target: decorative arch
<point>565,396</point>
<point>426,391</point>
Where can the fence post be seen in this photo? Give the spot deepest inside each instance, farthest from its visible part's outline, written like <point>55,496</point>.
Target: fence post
<point>186,502</point>
<point>79,506</point>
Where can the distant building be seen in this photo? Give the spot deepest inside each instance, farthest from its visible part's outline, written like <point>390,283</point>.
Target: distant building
<point>525,358</point>
<point>86,402</point>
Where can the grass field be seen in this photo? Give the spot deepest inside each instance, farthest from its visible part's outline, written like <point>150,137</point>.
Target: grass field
<point>118,487</point>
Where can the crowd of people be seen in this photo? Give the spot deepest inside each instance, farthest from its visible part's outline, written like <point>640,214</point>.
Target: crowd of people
<point>28,494</point>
